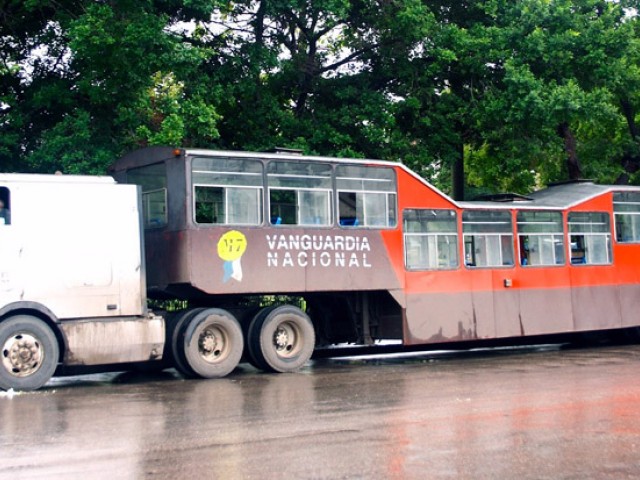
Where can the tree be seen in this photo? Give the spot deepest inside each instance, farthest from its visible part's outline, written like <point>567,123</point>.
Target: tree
<point>563,63</point>
<point>86,80</point>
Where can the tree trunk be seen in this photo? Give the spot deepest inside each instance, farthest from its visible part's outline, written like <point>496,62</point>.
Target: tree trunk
<point>630,115</point>
<point>630,161</point>
<point>457,174</point>
<point>570,146</point>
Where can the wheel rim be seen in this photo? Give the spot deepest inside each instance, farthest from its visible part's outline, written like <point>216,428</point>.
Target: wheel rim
<point>286,339</point>
<point>213,343</point>
<point>22,355</point>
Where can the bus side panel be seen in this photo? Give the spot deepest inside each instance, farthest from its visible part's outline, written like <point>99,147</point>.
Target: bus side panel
<point>439,317</point>
<point>596,307</point>
<point>630,305</point>
<point>628,271</point>
<point>483,299</point>
<point>507,310</point>
<point>545,299</point>
<point>281,260</point>
<point>544,311</point>
<point>439,307</point>
<point>595,297</point>
<point>166,254</point>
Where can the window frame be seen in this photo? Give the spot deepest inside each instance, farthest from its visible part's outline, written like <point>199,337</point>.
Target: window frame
<point>406,234</point>
<point>258,187</point>
<point>501,236</point>
<point>226,203</point>
<point>539,236</point>
<point>607,234</point>
<point>148,222</point>
<point>633,215</point>
<point>363,194</point>
<point>298,176</point>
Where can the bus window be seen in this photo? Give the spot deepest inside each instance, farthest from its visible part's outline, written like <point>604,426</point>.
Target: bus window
<point>590,236</point>
<point>626,207</point>
<point>430,239</point>
<point>299,193</point>
<point>366,196</point>
<point>153,180</point>
<point>488,238</point>
<point>5,206</point>
<point>227,191</point>
<point>541,239</point>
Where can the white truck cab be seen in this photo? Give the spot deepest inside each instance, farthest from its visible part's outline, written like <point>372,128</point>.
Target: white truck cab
<point>72,280</point>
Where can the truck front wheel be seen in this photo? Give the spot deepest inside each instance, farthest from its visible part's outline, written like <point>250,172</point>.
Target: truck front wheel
<point>29,354</point>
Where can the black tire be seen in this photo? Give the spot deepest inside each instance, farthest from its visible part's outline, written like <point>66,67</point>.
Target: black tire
<point>176,338</point>
<point>259,362</point>
<point>281,339</point>
<point>210,343</point>
<point>29,355</point>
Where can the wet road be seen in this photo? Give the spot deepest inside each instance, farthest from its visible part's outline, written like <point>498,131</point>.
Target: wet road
<point>511,414</point>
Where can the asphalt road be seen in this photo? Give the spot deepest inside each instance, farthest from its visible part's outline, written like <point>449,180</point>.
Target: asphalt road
<point>536,413</point>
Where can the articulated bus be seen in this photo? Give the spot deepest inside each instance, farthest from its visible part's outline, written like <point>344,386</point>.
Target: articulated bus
<point>372,251</point>
<point>275,255</point>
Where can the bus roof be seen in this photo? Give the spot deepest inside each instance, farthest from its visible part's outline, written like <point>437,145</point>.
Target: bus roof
<point>555,197</point>
<point>150,155</point>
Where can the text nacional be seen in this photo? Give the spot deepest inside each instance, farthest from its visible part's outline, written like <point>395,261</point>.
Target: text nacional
<point>345,251</point>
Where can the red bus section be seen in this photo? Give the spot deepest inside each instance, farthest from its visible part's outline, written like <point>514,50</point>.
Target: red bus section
<point>368,250</point>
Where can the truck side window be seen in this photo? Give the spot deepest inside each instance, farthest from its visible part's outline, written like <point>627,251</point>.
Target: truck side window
<point>5,206</point>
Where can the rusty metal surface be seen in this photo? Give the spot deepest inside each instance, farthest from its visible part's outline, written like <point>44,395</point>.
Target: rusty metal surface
<point>476,314</point>
<point>504,414</point>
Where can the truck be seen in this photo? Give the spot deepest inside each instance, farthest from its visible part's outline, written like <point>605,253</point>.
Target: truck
<point>72,278</point>
<point>269,257</point>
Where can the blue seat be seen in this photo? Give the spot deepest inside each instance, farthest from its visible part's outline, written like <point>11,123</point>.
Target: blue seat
<point>349,221</point>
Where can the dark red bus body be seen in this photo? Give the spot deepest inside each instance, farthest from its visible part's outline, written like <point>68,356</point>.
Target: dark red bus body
<point>335,267</point>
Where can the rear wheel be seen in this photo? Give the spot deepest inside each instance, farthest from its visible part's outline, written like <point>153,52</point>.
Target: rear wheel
<point>208,343</point>
<point>257,361</point>
<point>281,339</point>
<point>29,354</point>
<point>176,335</point>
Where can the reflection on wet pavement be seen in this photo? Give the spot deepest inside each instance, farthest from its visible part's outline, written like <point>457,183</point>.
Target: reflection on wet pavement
<point>539,413</point>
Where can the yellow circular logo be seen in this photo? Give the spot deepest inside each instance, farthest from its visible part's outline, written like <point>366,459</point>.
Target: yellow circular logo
<point>232,245</point>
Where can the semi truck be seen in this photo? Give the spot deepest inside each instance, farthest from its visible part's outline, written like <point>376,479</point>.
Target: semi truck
<point>271,256</point>
<point>72,278</point>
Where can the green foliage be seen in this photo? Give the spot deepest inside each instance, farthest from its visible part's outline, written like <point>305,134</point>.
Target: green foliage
<point>69,147</point>
<point>520,90</point>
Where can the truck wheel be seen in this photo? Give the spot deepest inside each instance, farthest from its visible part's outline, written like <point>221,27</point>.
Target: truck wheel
<point>259,362</point>
<point>281,339</point>
<point>175,335</point>
<point>29,354</point>
<point>210,343</point>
